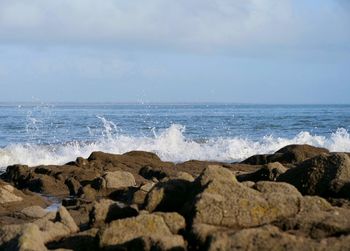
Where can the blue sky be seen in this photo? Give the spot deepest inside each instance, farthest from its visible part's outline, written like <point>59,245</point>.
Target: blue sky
<point>244,51</point>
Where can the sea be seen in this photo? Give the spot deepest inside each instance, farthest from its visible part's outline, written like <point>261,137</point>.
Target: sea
<point>56,133</point>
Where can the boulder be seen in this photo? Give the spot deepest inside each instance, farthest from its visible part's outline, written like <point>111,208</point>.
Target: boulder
<point>269,172</point>
<point>262,238</point>
<point>21,237</point>
<point>227,203</point>
<point>317,219</point>
<point>291,154</point>
<point>83,241</point>
<point>105,211</point>
<point>144,232</point>
<point>34,212</point>
<point>8,194</point>
<point>322,175</point>
<point>169,196</point>
<point>56,225</point>
<point>118,179</point>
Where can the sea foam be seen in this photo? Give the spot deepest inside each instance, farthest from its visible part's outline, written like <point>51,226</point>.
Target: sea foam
<point>170,145</point>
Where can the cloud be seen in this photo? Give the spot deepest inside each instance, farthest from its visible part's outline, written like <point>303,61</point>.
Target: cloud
<point>203,24</point>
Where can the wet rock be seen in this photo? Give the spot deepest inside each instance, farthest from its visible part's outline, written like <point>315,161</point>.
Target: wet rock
<point>268,172</point>
<point>291,154</point>
<point>320,175</point>
<point>145,232</point>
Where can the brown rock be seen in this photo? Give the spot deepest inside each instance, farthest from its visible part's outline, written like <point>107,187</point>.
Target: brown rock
<point>144,231</point>
<point>225,202</point>
<point>268,172</point>
<point>291,154</point>
<point>319,175</point>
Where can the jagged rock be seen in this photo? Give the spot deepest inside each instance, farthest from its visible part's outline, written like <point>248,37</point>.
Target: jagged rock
<point>320,175</point>
<point>269,172</point>
<point>105,211</point>
<point>145,232</point>
<point>291,154</point>
<point>225,202</point>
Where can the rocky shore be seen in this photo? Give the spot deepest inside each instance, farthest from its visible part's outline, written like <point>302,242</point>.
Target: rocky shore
<point>295,199</point>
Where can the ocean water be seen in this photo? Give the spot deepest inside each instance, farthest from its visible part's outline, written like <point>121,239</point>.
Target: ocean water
<point>37,134</point>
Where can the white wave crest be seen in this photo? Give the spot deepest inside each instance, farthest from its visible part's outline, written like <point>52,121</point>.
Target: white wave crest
<point>170,145</point>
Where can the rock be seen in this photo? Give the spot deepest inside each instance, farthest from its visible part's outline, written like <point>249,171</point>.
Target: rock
<point>227,203</point>
<point>21,237</point>
<point>105,211</point>
<point>48,185</point>
<point>262,238</point>
<point>7,194</point>
<point>184,176</point>
<point>145,232</point>
<point>119,179</point>
<point>73,186</point>
<point>317,219</point>
<point>149,173</point>
<point>291,154</point>
<point>16,174</point>
<point>268,172</point>
<point>56,225</point>
<point>169,196</point>
<point>174,221</point>
<point>139,196</point>
<point>83,241</point>
<point>34,212</point>
<point>319,175</point>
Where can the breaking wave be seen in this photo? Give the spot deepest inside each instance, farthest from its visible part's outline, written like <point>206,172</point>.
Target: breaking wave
<point>170,145</point>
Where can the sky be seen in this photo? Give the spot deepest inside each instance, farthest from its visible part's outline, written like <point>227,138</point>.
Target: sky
<point>236,51</point>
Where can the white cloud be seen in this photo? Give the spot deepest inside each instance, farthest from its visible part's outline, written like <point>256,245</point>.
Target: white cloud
<point>182,23</point>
